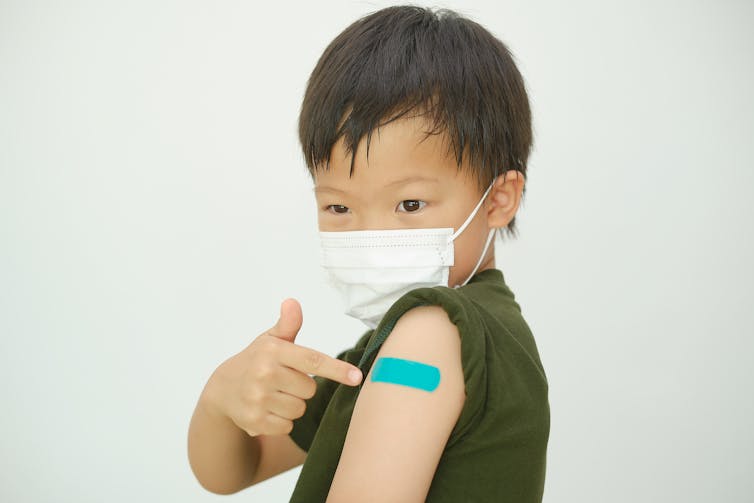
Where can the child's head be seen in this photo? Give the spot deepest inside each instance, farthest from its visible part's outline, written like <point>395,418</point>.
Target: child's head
<point>450,113</point>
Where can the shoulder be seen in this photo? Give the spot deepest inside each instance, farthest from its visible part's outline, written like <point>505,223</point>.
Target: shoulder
<point>425,330</point>
<point>433,319</point>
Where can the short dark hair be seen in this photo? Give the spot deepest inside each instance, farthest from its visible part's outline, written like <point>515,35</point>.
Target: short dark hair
<point>407,58</point>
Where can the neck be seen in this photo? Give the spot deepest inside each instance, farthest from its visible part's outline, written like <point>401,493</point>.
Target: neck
<point>489,260</point>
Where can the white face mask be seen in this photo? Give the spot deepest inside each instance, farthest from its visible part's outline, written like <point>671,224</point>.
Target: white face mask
<point>372,269</point>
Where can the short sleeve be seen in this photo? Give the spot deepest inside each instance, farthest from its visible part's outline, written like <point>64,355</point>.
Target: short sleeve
<point>463,313</point>
<point>305,427</point>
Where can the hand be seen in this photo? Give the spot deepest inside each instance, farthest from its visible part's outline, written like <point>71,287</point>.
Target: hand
<point>264,388</point>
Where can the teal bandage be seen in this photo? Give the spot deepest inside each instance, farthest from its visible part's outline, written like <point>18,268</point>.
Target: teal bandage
<point>406,373</point>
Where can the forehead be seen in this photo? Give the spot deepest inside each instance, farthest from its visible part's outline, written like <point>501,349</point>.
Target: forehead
<point>397,150</point>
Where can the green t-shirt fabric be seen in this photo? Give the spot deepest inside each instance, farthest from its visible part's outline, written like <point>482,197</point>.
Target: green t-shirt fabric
<point>497,449</point>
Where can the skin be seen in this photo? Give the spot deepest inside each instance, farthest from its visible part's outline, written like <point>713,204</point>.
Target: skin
<point>238,435</point>
<point>404,168</point>
<point>397,434</point>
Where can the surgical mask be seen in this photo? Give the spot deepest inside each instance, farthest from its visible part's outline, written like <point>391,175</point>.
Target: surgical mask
<point>372,269</point>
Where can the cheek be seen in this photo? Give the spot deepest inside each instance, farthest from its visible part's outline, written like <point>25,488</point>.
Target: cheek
<point>327,222</point>
<point>320,222</point>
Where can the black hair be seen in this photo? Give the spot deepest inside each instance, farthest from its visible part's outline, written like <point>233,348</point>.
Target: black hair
<point>405,59</point>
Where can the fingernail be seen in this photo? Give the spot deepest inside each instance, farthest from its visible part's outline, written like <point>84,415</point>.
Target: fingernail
<point>355,376</point>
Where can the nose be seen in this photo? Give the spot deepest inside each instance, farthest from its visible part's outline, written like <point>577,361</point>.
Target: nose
<point>373,219</point>
<point>367,221</point>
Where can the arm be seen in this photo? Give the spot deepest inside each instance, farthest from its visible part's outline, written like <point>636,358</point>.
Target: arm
<point>225,459</point>
<point>398,433</point>
<point>219,455</point>
<point>239,433</point>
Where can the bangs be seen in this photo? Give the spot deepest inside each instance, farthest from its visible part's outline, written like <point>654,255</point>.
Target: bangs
<point>411,60</point>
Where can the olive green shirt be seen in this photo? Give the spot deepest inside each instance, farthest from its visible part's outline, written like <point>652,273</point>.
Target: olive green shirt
<point>497,449</point>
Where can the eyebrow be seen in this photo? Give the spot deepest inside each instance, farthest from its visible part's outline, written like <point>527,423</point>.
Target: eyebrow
<point>324,188</point>
<point>411,179</point>
<point>401,181</point>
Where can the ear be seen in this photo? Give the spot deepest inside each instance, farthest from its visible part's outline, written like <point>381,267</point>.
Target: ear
<point>504,198</point>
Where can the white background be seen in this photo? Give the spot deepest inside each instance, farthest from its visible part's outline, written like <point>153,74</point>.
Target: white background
<point>155,210</point>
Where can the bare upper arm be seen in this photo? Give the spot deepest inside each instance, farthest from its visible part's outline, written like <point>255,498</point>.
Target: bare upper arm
<point>398,433</point>
<point>277,454</point>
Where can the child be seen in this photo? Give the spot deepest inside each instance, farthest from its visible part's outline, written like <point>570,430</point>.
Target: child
<point>416,130</point>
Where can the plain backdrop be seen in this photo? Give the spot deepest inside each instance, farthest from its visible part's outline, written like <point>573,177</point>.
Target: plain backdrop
<point>155,210</point>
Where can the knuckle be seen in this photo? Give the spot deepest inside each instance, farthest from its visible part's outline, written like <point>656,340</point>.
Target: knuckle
<point>264,371</point>
<point>314,360</point>
<point>251,417</point>
<point>253,396</point>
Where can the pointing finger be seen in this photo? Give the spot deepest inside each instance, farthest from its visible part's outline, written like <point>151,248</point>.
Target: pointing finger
<point>313,362</point>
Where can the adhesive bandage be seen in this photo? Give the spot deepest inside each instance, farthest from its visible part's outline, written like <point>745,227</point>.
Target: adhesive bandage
<point>406,373</point>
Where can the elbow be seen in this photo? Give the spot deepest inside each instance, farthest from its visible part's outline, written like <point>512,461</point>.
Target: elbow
<point>219,486</point>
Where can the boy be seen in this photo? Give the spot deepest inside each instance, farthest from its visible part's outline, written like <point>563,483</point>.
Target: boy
<point>416,130</point>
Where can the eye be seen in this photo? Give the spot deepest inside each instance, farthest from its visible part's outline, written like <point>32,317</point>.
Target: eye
<point>410,205</point>
<point>337,208</point>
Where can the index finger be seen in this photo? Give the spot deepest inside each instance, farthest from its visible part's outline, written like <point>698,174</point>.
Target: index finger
<point>313,362</point>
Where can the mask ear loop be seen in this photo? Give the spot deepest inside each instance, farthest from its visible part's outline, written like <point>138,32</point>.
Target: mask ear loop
<point>473,213</point>
<point>481,257</point>
<point>489,236</point>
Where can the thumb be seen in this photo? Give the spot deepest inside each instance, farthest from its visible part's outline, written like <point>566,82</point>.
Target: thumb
<point>289,322</point>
